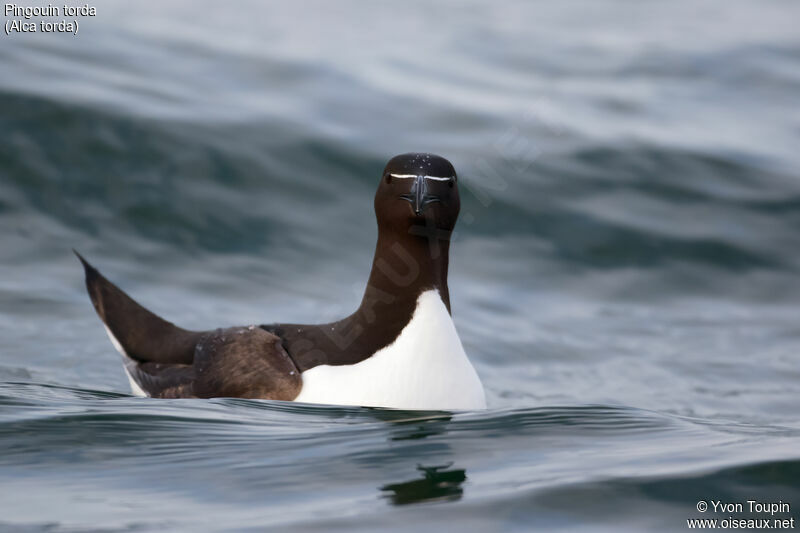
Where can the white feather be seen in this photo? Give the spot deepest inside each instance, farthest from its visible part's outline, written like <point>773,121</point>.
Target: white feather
<point>435,178</point>
<point>135,388</point>
<point>424,368</point>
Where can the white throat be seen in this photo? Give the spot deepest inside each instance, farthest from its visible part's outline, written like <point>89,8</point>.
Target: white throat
<point>424,368</point>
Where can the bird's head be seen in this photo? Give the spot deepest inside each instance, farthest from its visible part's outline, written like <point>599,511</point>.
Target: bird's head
<point>417,189</point>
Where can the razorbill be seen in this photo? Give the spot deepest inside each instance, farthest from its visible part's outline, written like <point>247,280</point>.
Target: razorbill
<point>399,349</point>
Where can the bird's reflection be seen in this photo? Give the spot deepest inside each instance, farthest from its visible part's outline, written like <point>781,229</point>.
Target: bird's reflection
<point>433,483</point>
<point>438,483</point>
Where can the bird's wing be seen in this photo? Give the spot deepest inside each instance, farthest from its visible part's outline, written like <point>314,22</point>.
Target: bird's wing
<point>141,334</point>
<point>169,362</point>
<point>245,362</point>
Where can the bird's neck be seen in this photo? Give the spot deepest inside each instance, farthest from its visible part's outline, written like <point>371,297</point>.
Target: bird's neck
<point>405,266</point>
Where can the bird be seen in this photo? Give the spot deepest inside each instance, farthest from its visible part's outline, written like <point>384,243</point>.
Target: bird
<point>399,349</point>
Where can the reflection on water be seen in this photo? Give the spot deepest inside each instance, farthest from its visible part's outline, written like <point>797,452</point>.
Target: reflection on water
<point>437,484</point>
<point>420,428</point>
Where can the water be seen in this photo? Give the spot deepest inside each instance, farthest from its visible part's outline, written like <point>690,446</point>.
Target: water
<point>624,276</point>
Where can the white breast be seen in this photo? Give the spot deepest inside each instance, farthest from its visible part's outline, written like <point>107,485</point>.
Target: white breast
<point>424,368</point>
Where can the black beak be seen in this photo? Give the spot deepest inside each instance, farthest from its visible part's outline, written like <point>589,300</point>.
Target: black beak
<point>418,197</point>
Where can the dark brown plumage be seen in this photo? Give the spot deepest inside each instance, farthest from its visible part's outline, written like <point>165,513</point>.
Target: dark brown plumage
<point>169,362</point>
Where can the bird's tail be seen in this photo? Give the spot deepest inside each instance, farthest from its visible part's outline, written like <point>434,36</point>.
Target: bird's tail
<point>136,332</point>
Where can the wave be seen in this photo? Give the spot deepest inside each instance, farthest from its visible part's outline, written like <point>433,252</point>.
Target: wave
<point>236,189</point>
<point>585,461</point>
<point>39,408</point>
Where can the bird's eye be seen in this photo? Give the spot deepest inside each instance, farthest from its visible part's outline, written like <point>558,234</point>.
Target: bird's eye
<point>388,178</point>
<point>451,182</point>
